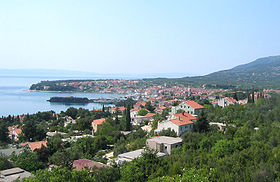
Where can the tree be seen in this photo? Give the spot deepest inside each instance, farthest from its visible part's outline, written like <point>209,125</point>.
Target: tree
<point>28,161</point>
<point>202,124</point>
<point>43,154</point>
<point>54,143</point>
<point>127,119</point>
<point>140,168</point>
<point>62,158</point>
<point>33,131</point>
<point>149,106</point>
<point>4,163</point>
<point>142,112</point>
<point>72,112</point>
<point>83,124</point>
<point>4,133</point>
<point>168,132</point>
<point>61,174</point>
<point>107,174</point>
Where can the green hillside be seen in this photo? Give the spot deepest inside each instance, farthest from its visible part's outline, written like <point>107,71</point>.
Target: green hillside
<point>261,73</point>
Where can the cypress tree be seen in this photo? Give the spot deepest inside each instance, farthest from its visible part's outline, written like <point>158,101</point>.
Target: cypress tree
<point>103,108</point>
<point>127,119</point>
<point>249,98</point>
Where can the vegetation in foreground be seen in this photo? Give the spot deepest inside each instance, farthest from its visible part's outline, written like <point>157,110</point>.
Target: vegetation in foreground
<point>248,150</point>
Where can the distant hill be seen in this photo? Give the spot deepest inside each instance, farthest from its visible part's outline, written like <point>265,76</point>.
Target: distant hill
<point>261,73</point>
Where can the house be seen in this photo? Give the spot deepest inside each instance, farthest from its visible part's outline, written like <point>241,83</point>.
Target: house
<point>226,101</point>
<point>75,138</point>
<point>133,113</point>
<point>160,109</point>
<point>68,120</point>
<point>139,105</point>
<point>137,120</point>
<point>85,163</point>
<point>14,174</point>
<point>97,123</point>
<point>189,106</point>
<point>163,144</point>
<point>147,128</point>
<point>121,109</point>
<point>180,123</point>
<point>129,156</point>
<point>51,134</point>
<point>14,132</point>
<point>35,145</point>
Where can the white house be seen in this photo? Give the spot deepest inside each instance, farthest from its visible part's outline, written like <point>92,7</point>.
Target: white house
<point>163,144</point>
<point>226,101</point>
<point>180,123</point>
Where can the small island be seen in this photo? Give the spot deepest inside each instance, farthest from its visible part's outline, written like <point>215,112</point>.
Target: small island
<point>70,99</point>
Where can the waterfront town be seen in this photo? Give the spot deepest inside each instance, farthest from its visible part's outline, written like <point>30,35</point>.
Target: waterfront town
<point>151,118</point>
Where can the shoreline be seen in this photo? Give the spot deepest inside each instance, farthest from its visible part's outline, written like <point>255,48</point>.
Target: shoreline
<point>27,90</point>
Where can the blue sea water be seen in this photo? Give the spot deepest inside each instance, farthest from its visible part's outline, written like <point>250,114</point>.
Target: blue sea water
<point>15,100</point>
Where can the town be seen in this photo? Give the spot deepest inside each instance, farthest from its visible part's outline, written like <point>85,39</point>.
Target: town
<point>154,120</point>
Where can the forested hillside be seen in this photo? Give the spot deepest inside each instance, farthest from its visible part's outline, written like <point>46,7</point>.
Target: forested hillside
<point>261,73</point>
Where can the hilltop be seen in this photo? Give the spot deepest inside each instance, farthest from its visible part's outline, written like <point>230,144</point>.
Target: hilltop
<point>261,73</point>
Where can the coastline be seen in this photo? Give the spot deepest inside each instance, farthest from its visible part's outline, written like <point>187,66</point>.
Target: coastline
<point>49,91</point>
<point>27,90</point>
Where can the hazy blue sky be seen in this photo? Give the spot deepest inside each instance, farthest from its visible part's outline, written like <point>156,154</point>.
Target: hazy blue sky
<point>144,36</point>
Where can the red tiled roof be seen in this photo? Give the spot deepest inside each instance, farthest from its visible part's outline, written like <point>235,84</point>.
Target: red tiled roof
<point>185,116</point>
<point>154,137</point>
<point>150,114</point>
<point>231,100</point>
<point>121,108</point>
<point>181,122</point>
<point>35,145</point>
<point>99,121</point>
<point>141,103</point>
<point>83,163</point>
<point>194,104</point>
<point>17,130</point>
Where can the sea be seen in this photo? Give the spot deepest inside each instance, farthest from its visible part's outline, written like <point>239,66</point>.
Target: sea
<point>16,100</point>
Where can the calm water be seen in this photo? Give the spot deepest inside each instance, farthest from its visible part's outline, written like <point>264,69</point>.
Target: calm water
<point>15,100</point>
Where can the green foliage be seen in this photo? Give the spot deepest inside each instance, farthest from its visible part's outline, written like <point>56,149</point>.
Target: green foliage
<point>72,112</point>
<point>4,163</point>
<point>33,130</point>
<point>83,124</point>
<point>168,132</point>
<point>62,158</point>
<point>142,112</point>
<point>4,133</point>
<point>140,169</point>
<point>28,161</point>
<point>202,124</point>
<point>149,106</point>
<point>61,174</point>
<point>127,119</point>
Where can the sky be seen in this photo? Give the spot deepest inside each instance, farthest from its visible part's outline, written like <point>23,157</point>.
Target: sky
<point>137,36</point>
